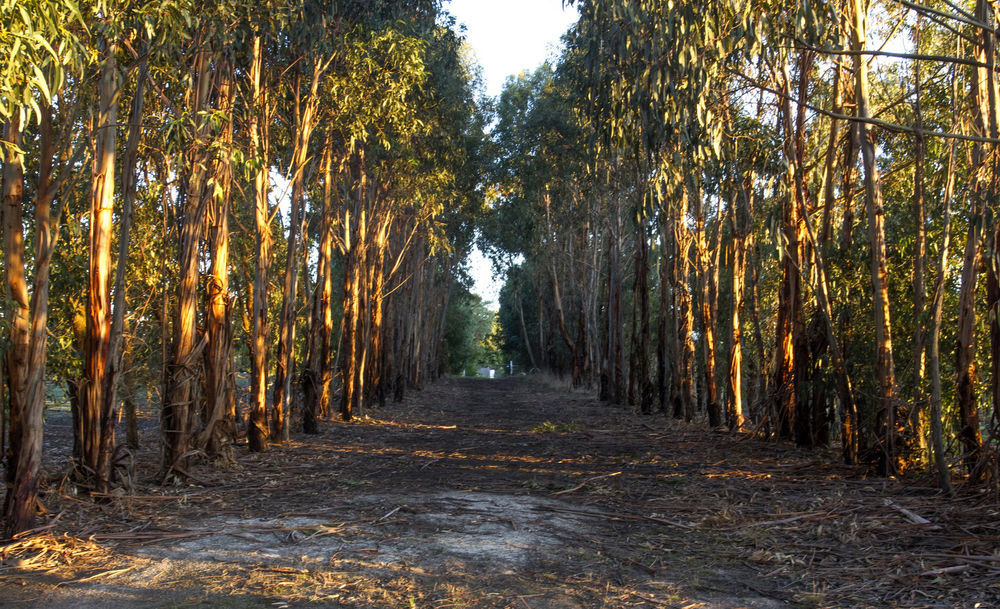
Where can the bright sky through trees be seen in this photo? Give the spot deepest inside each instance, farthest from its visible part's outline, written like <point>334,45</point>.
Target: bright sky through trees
<point>508,36</point>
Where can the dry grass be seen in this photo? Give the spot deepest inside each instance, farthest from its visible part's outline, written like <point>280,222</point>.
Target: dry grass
<point>52,553</point>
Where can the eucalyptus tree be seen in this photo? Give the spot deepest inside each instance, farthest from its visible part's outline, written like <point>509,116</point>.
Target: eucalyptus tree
<point>439,197</point>
<point>309,33</point>
<point>202,72</point>
<point>637,54</point>
<point>44,43</point>
<point>541,210</point>
<point>216,416</point>
<point>660,81</point>
<point>258,125</point>
<point>117,32</point>
<point>317,376</point>
<point>984,106</point>
<point>93,436</point>
<point>388,66</point>
<point>201,89</point>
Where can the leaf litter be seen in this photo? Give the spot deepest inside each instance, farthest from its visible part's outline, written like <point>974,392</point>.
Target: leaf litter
<point>509,493</point>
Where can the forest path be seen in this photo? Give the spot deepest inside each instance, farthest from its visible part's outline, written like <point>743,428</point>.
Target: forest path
<point>505,493</point>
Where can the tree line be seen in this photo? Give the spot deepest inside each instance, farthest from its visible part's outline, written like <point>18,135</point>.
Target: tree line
<point>281,192</point>
<point>779,216</point>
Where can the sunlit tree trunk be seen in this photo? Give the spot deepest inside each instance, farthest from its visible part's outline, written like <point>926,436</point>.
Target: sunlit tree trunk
<point>917,415</point>
<point>217,428</point>
<point>304,125</point>
<point>258,430</point>
<point>130,183</point>
<point>788,330</point>
<point>24,367</point>
<point>96,396</point>
<point>117,340</point>
<point>362,303</point>
<point>707,275</point>
<point>318,375</point>
<point>377,307</point>
<point>684,400</point>
<point>761,388</point>
<point>184,365</point>
<point>809,423</point>
<point>739,215</point>
<point>353,269</point>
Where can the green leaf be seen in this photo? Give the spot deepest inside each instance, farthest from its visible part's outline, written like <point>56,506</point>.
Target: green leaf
<point>42,84</point>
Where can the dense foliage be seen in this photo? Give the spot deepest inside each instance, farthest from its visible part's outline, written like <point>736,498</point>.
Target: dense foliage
<point>258,202</point>
<point>776,216</point>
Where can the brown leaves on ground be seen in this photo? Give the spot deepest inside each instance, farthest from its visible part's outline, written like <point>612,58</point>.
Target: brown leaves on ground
<point>513,493</point>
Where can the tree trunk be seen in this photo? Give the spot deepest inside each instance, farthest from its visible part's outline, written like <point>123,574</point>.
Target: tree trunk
<point>664,346</point>
<point>920,257</point>
<point>685,400</point>
<point>26,426</point>
<point>96,404</point>
<point>377,305</point>
<point>117,338</point>
<point>353,268</point>
<point>184,366</point>
<point>217,429</point>
<point>987,171</point>
<point>316,381</point>
<point>969,431</point>
<point>613,372</point>
<point>761,389</point>
<point>740,225</point>
<point>258,431</point>
<point>893,420</point>
<point>362,303</point>
<point>788,330</point>
<point>850,415</point>
<point>642,273</point>
<point>524,330</point>
<point>305,117</point>
<point>809,421</point>
<point>706,273</point>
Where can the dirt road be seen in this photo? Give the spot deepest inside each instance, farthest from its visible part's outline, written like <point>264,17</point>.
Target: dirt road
<point>511,493</point>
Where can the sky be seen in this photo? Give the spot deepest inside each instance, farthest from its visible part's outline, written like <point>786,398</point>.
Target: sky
<point>508,37</point>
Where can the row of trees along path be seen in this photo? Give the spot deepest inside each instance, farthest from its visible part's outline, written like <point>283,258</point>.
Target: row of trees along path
<point>264,170</point>
<point>274,201</point>
<point>777,216</point>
